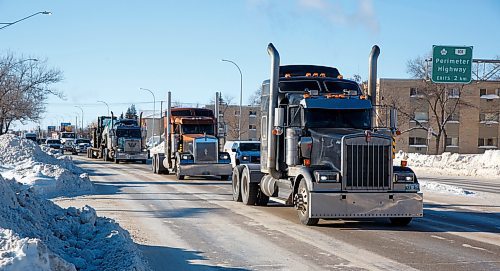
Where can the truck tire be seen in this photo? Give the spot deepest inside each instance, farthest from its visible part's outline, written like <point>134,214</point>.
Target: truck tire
<point>236,183</point>
<point>104,155</point>
<point>249,190</point>
<point>303,196</point>
<point>400,221</point>
<point>153,164</point>
<point>177,172</point>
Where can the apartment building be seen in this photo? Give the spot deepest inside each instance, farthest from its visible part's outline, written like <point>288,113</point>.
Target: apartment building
<point>472,127</point>
<point>230,116</point>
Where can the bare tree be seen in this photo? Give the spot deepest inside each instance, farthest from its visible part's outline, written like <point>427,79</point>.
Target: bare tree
<point>254,99</point>
<point>24,88</point>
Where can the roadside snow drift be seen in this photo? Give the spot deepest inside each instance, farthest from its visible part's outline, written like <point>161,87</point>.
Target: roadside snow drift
<point>480,165</point>
<point>36,234</point>
<point>49,176</point>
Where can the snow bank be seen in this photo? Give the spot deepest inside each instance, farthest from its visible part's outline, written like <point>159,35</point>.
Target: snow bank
<point>36,234</point>
<point>49,176</point>
<point>480,165</point>
<point>427,186</point>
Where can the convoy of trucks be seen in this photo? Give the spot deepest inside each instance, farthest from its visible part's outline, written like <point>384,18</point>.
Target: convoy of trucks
<point>322,152</point>
<point>191,146</point>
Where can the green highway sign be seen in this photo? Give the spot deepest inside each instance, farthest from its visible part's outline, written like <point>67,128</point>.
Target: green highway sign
<point>451,64</point>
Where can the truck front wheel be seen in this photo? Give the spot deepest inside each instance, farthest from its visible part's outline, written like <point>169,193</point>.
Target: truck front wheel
<point>302,202</point>
<point>153,163</point>
<point>249,190</point>
<point>235,179</point>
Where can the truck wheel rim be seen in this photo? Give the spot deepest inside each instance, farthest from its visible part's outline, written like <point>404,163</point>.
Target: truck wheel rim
<point>303,200</point>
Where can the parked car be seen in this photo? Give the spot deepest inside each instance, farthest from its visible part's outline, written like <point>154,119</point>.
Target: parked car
<point>243,152</point>
<point>54,144</point>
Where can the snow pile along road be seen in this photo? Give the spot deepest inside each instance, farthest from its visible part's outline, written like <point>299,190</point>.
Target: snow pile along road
<point>428,186</point>
<point>49,176</point>
<point>36,234</point>
<point>481,165</point>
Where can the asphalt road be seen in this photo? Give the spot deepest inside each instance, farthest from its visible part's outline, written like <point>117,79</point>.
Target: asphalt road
<point>194,225</point>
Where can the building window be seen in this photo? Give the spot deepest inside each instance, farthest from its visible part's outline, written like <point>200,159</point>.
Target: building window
<point>454,93</point>
<point>454,117</point>
<point>451,141</point>
<point>487,142</point>
<point>414,92</point>
<point>237,112</point>
<point>497,91</point>
<point>488,117</point>
<point>417,141</point>
<point>421,116</point>
<point>252,113</point>
<point>252,127</point>
<point>482,92</point>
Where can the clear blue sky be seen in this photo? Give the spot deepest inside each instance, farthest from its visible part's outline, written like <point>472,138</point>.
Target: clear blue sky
<point>107,50</point>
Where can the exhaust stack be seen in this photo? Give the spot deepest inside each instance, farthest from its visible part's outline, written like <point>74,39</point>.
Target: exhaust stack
<point>273,103</point>
<point>168,143</point>
<point>372,73</point>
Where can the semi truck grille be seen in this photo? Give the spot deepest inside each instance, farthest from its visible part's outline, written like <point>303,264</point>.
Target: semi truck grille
<point>132,145</point>
<point>206,152</point>
<point>367,167</point>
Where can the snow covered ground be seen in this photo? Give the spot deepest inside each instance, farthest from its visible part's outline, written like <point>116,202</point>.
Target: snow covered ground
<point>480,165</point>
<point>47,174</point>
<point>36,234</point>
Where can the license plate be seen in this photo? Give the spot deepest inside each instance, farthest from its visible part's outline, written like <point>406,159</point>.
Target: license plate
<point>413,186</point>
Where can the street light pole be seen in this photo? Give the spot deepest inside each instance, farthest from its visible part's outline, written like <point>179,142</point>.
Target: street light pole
<point>81,127</point>
<point>107,105</point>
<point>34,14</point>
<point>154,112</point>
<point>241,96</point>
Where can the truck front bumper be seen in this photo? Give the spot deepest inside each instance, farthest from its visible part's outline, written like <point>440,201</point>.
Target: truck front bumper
<point>205,169</point>
<point>127,156</point>
<point>363,205</point>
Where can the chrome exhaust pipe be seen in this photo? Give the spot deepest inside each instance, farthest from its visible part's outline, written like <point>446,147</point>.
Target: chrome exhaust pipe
<point>372,73</point>
<point>273,103</point>
<point>168,143</point>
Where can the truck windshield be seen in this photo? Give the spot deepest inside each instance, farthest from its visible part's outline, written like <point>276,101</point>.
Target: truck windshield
<point>198,129</point>
<point>68,135</point>
<point>129,133</point>
<point>78,141</point>
<point>332,118</point>
<point>53,141</point>
<point>340,87</point>
<point>249,147</point>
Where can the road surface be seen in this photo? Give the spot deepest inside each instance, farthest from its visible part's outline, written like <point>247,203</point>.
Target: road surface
<point>194,225</point>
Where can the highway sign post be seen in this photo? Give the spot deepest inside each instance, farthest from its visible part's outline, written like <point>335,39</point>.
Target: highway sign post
<point>451,64</point>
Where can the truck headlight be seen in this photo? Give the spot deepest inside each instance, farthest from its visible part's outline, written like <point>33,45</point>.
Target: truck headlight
<point>245,158</point>
<point>120,149</point>
<point>186,157</point>
<point>404,177</point>
<point>224,156</point>
<point>326,176</point>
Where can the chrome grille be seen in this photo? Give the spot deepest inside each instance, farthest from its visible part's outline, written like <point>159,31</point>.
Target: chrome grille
<point>206,152</point>
<point>132,145</point>
<point>367,166</point>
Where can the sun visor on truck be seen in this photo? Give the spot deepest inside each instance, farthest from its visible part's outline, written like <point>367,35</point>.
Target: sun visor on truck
<point>336,103</point>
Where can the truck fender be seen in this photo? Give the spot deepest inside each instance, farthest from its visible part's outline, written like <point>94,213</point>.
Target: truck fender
<point>305,174</point>
<point>254,171</point>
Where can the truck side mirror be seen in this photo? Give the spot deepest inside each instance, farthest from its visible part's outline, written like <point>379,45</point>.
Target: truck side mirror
<point>279,117</point>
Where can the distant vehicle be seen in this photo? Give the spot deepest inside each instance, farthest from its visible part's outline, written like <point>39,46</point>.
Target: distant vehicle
<point>68,140</point>
<point>80,146</point>
<point>54,144</point>
<point>41,141</point>
<point>31,136</point>
<point>156,140</point>
<point>243,152</point>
